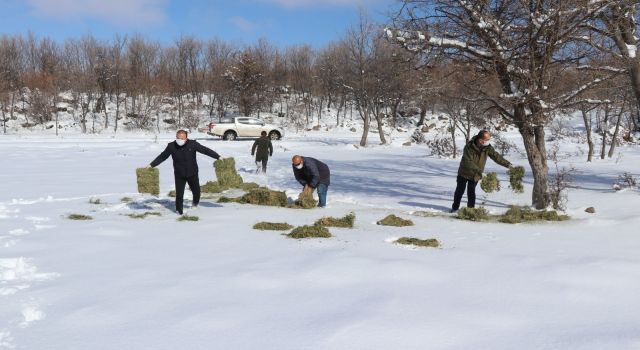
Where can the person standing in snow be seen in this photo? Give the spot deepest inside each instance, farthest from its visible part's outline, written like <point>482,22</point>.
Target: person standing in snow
<point>474,158</point>
<point>312,174</point>
<point>185,167</point>
<point>265,150</point>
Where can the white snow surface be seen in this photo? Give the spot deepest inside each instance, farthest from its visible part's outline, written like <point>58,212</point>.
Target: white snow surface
<point>120,283</point>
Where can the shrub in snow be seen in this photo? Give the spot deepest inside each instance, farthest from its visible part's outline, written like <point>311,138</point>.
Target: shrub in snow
<point>346,221</point>
<point>126,200</point>
<point>473,214</point>
<point>517,214</point>
<point>516,174</point>
<point>310,232</point>
<point>418,136</point>
<point>95,201</point>
<point>431,242</point>
<point>188,218</point>
<point>144,215</point>
<point>490,183</point>
<point>625,180</point>
<point>274,226</point>
<point>441,147</point>
<point>392,220</point>
<point>148,180</point>
<point>79,217</point>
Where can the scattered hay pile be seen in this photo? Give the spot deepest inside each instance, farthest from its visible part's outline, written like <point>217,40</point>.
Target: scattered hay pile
<point>346,221</point>
<point>259,196</point>
<point>148,180</point>
<point>517,215</point>
<point>431,242</point>
<point>473,214</point>
<point>272,226</point>
<point>516,174</point>
<point>305,201</point>
<point>80,217</point>
<point>310,232</point>
<point>490,183</point>
<point>393,220</point>
<point>144,215</point>
<point>188,218</point>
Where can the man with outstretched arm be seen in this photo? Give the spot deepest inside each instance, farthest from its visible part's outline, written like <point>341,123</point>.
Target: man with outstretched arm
<point>474,158</point>
<point>312,174</point>
<point>185,167</point>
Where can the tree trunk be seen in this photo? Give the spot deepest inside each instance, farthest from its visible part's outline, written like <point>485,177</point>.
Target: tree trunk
<point>4,119</point>
<point>394,112</point>
<point>115,128</point>
<point>587,126</point>
<point>423,113</point>
<point>364,113</point>
<point>13,103</point>
<point>634,72</point>
<point>614,138</point>
<point>534,145</point>
<point>383,140</point>
<point>604,128</point>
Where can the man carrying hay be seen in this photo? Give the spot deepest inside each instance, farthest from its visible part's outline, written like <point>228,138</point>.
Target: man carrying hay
<point>265,150</point>
<point>185,167</point>
<point>312,174</point>
<point>474,158</point>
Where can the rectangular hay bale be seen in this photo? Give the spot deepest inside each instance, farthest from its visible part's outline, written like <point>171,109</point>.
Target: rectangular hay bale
<point>226,173</point>
<point>148,180</point>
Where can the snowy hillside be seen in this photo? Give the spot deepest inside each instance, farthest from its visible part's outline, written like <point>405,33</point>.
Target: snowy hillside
<point>157,283</point>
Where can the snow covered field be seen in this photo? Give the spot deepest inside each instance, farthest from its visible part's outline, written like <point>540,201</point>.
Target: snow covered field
<point>120,283</point>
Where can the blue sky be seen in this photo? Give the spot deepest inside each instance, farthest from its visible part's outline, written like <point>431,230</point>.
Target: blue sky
<point>282,22</point>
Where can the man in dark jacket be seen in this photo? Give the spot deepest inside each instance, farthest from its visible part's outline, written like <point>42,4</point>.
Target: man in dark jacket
<point>185,167</point>
<point>312,174</point>
<point>265,150</point>
<point>474,158</point>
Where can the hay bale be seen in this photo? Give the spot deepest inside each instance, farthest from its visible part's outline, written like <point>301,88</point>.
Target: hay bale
<point>80,217</point>
<point>148,180</point>
<point>226,173</point>
<point>490,183</point>
<point>188,218</point>
<point>144,215</point>
<point>346,221</point>
<point>516,215</point>
<point>431,242</point>
<point>272,226</point>
<point>392,220</point>
<point>213,187</point>
<point>473,214</point>
<point>248,186</point>
<point>306,201</point>
<point>309,232</point>
<point>516,174</point>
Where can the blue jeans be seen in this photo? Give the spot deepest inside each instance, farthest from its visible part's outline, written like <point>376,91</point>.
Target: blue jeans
<point>322,195</point>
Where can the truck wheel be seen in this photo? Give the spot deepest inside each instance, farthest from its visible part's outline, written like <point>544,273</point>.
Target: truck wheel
<point>274,135</point>
<point>230,135</point>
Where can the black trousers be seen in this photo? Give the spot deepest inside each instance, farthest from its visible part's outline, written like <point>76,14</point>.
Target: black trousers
<point>194,185</point>
<point>264,164</point>
<point>470,186</point>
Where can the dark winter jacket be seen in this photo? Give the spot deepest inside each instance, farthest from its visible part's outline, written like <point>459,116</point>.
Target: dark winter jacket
<point>265,148</point>
<point>313,172</point>
<point>474,158</point>
<point>184,157</point>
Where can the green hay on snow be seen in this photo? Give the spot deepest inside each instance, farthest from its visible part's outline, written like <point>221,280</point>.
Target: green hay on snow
<point>516,174</point>
<point>310,232</point>
<point>272,226</point>
<point>473,214</point>
<point>226,173</point>
<point>490,183</point>
<point>144,215</point>
<point>431,242</point>
<point>346,221</point>
<point>79,217</point>
<point>259,196</point>
<point>188,218</point>
<point>517,214</point>
<point>392,220</point>
<point>148,180</point>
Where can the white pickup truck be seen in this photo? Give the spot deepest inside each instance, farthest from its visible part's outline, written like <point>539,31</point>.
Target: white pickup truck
<point>233,128</point>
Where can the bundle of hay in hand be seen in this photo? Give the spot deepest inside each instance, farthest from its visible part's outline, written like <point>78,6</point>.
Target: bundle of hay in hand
<point>226,173</point>
<point>306,201</point>
<point>148,180</point>
<point>490,183</point>
<point>516,174</point>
